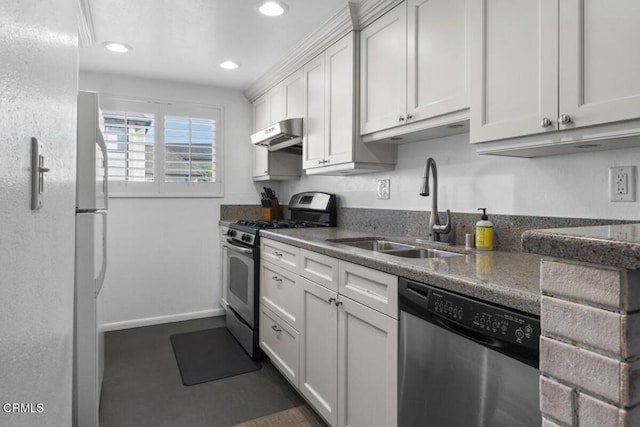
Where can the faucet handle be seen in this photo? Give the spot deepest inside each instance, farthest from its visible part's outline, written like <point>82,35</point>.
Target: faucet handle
<point>443,229</point>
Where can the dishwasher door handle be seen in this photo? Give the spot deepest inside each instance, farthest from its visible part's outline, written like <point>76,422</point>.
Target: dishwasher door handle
<point>415,293</point>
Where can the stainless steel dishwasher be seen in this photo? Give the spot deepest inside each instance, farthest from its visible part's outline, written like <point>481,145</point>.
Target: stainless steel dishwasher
<point>464,362</point>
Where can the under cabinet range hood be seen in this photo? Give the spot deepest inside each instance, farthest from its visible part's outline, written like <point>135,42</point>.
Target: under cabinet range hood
<point>286,134</point>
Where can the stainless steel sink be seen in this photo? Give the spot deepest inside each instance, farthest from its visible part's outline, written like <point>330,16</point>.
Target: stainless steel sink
<point>390,247</point>
<point>376,245</point>
<point>421,253</point>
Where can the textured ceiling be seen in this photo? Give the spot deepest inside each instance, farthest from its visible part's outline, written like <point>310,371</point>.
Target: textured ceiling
<point>186,40</point>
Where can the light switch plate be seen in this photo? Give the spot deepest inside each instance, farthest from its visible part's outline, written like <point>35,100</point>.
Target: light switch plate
<point>38,170</point>
<point>384,189</point>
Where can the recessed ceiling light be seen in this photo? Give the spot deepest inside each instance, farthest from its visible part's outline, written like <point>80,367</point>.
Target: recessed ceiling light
<point>272,8</point>
<point>117,47</point>
<point>229,65</point>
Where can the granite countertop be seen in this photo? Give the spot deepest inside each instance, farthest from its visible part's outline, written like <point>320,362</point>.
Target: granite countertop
<point>612,245</point>
<point>510,279</point>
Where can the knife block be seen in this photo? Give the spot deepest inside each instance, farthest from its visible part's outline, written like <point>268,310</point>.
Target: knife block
<point>272,212</point>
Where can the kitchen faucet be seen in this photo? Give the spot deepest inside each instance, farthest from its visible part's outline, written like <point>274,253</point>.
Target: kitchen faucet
<point>435,228</point>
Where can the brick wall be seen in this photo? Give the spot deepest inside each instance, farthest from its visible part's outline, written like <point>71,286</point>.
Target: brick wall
<point>590,345</point>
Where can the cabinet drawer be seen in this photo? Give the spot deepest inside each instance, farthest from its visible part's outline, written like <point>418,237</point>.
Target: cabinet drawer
<point>319,268</point>
<point>373,288</point>
<point>280,253</point>
<point>281,343</point>
<point>280,292</point>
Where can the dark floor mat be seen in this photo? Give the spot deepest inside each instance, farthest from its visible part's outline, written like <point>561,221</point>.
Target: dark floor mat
<point>209,355</point>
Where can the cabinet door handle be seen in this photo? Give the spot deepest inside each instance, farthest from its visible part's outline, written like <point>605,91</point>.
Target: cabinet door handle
<point>401,119</point>
<point>275,328</point>
<point>278,254</point>
<point>276,279</point>
<point>409,116</point>
<point>338,303</point>
<point>332,300</point>
<point>564,119</point>
<point>545,122</point>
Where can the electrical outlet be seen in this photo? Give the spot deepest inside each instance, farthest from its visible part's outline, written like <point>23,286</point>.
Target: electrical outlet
<point>384,189</point>
<point>622,183</point>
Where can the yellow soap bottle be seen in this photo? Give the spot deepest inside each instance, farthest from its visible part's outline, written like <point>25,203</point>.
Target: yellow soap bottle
<point>484,232</point>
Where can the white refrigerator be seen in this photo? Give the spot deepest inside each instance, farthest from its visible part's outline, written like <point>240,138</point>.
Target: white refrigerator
<point>90,261</point>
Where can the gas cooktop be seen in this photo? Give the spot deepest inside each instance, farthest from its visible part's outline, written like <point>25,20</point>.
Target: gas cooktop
<point>279,223</point>
<point>308,210</point>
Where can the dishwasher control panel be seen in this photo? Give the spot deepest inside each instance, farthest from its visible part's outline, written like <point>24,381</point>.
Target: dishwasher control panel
<point>486,319</point>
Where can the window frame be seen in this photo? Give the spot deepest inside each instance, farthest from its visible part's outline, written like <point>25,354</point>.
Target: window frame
<point>159,188</point>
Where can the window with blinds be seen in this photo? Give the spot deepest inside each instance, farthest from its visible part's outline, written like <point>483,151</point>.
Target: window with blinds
<point>162,149</point>
<point>130,146</point>
<point>189,149</point>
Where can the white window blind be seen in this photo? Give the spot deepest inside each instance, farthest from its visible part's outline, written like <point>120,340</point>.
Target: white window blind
<point>189,145</point>
<point>130,146</point>
<point>162,149</point>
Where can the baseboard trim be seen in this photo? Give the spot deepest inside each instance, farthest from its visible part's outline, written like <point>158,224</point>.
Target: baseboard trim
<point>136,323</point>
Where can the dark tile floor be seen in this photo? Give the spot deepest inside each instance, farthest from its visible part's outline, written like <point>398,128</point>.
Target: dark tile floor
<point>142,384</point>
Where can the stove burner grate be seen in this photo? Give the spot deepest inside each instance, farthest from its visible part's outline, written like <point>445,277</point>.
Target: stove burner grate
<point>280,223</point>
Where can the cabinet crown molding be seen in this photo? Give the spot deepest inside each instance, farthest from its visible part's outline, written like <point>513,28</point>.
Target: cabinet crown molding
<point>353,17</point>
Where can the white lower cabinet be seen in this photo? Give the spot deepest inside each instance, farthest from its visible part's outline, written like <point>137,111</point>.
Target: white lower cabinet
<point>319,350</point>
<point>280,342</point>
<point>367,367</point>
<point>340,352</point>
<point>348,359</point>
<point>280,292</point>
<point>318,268</point>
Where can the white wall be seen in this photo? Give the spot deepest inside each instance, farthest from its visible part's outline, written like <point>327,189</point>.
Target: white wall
<point>38,91</point>
<point>564,186</point>
<point>164,253</point>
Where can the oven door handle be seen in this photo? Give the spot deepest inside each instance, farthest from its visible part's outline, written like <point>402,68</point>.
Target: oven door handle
<point>237,248</point>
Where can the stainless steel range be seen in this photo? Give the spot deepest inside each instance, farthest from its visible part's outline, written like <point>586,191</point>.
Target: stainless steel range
<point>309,209</point>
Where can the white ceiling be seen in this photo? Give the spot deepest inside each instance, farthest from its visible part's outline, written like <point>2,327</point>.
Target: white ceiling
<point>186,40</point>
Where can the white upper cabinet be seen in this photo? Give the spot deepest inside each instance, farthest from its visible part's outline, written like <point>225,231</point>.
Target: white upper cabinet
<point>313,123</point>
<point>331,141</point>
<point>414,65</point>
<point>261,118</point>
<point>340,103</point>
<point>515,87</point>
<point>275,99</point>
<point>551,77</point>
<point>293,95</point>
<point>600,69</point>
<point>267,110</point>
<point>383,61</point>
<point>436,58</point>
<point>261,113</point>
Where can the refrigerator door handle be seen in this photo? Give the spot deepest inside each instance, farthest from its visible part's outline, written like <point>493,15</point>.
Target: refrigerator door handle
<point>103,267</point>
<point>105,181</point>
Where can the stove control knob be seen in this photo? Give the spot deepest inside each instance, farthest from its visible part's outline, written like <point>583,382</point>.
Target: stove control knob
<point>231,233</point>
